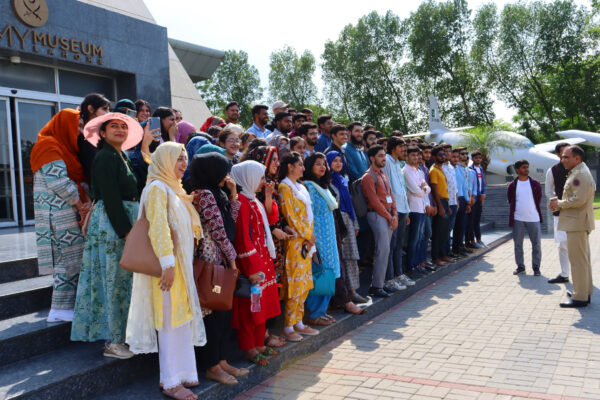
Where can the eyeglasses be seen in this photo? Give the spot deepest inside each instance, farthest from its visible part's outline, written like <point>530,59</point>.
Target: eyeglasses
<point>233,140</point>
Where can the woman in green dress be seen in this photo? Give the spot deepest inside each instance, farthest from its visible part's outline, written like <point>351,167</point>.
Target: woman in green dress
<point>104,290</point>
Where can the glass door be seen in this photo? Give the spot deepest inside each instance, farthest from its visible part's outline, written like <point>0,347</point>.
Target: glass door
<point>31,117</point>
<point>8,195</point>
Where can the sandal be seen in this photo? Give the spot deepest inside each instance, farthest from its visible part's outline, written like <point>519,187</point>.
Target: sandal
<point>239,372</point>
<point>269,351</point>
<point>360,311</point>
<point>180,393</point>
<point>225,378</point>
<point>320,321</point>
<point>329,317</point>
<point>293,337</point>
<point>275,341</point>
<point>259,359</point>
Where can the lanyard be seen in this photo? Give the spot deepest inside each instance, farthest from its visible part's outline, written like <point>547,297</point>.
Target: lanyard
<point>387,189</point>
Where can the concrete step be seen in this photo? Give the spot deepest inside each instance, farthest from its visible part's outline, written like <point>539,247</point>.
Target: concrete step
<point>486,226</point>
<point>14,270</point>
<point>30,335</point>
<point>76,371</point>
<point>25,296</point>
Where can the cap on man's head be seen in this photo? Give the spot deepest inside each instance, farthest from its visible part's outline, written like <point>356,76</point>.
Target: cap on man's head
<point>280,104</point>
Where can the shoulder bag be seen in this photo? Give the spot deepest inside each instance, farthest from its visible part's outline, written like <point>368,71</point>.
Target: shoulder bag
<point>214,282</point>
<point>138,253</point>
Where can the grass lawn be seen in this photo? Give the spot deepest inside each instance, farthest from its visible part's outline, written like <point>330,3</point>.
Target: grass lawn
<point>597,206</point>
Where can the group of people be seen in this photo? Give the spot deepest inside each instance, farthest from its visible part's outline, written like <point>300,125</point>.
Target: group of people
<point>297,207</point>
<point>570,189</point>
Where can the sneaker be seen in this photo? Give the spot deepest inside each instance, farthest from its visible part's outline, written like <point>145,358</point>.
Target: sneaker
<point>483,245</point>
<point>478,245</point>
<point>358,299</point>
<point>559,279</point>
<point>60,315</point>
<point>519,271</point>
<point>117,350</point>
<point>399,285</point>
<point>405,280</point>
<point>307,331</point>
<point>390,287</point>
<point>536,272</point>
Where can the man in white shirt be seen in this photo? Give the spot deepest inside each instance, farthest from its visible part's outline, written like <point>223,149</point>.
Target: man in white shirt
<point>449,170</point>
<point>417,193</point>
<point>524,196</point>
<point>556,177</point>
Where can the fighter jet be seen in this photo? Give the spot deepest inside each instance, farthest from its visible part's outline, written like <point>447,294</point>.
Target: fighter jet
<point>502,159</point>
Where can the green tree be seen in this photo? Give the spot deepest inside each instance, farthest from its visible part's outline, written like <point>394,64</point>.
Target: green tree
<point>542,59</point>
<point>485,138</point>
<point>440,42</point>
<point>365,78</point>
<point>291,77</point>
<point>234,80</point>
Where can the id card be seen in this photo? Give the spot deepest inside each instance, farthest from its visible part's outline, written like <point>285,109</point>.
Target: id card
<point>388,199</point>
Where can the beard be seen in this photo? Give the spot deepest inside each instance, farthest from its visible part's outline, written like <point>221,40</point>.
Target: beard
<point>355,142</point>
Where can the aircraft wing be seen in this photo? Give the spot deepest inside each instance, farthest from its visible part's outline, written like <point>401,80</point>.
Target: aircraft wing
<point>420,134</point>
<point>590,138</point>
<point>461,128</point>
<point>549,146</point>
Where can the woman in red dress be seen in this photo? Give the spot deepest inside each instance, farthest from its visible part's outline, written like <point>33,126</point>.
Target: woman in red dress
<point>255,252</point>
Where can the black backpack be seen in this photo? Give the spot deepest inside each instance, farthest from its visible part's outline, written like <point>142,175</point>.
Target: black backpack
<point>359,201</point>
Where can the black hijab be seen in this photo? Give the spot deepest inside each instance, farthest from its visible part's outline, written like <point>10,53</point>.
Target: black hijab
<point>206,172</point>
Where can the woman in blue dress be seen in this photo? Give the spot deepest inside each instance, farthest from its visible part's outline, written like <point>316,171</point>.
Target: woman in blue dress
<point>316,179</point>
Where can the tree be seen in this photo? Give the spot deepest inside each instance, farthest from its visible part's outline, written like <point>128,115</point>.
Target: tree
<point>365,78</point>
<point>485,138</point>
<point>234,80</point>
<point>291,77</point>
<point>542,59</point>
<point>440,42</point>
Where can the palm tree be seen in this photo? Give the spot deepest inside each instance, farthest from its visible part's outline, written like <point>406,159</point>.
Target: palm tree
<point>484,138</point>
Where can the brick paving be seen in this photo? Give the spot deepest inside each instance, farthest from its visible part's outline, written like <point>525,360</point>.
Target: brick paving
<point>480,333</point>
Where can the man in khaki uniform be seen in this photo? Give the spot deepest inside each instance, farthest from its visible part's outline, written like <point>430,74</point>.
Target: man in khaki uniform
<point>577,219</point>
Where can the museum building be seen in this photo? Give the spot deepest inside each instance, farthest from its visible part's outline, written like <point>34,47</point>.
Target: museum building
<point>53,53</point>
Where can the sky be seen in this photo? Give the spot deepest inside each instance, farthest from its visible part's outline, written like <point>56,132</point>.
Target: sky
<point>260,27</point>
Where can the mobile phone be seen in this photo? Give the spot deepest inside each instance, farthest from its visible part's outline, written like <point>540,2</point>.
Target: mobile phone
<point>131,113</point>
<point>304,251</point>
<point>154,123</point>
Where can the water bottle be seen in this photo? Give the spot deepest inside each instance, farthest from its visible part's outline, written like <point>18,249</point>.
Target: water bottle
<point>255,293</point>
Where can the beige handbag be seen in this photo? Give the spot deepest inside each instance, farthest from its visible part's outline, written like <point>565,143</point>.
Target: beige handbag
<point>138,254</point>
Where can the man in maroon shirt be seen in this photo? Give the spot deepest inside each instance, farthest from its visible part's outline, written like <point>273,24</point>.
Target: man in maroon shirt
<point>381,216</point>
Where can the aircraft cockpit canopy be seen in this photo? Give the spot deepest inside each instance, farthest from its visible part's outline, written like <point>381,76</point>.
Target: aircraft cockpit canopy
<point>517,141</point>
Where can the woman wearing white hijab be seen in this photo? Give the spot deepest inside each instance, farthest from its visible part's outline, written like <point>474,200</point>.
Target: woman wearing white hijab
<point>255,251</point>
<point>169,304</point>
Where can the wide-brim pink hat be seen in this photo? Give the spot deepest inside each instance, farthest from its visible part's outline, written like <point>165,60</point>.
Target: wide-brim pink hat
<point>135,132</point>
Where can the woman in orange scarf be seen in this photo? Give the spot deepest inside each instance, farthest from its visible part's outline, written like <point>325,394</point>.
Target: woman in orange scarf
<point>59,199</point>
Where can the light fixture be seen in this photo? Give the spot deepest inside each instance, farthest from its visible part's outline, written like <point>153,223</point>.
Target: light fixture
<point>15,60</point>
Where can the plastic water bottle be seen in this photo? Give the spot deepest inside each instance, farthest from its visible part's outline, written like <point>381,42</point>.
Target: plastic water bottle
<point>255,293</point>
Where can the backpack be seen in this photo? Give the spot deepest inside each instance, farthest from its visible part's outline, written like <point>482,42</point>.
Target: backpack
<point>359,201</point>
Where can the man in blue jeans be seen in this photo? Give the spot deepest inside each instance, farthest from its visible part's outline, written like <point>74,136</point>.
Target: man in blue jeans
<point>464,207</point>
<point>524,196</point>
<point>417,191</point>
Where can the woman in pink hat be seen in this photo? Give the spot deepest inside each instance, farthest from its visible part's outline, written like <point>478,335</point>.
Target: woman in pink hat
<point>104,290</point>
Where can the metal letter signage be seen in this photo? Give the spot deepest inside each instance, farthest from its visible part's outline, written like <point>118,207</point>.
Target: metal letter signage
<point>33,13</point>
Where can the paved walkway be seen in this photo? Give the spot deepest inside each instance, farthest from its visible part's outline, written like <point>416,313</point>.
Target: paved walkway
<point>481,333</point>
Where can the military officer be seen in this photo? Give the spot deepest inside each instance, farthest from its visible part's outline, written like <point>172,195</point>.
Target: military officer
<point>577,219</point>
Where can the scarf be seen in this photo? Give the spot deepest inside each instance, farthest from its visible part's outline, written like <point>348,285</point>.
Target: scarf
<point>212,121</point>
<point>341,183</point>
<point>325,194</point>
<point>248,175</point>
<point>58,141</point>
<point>184,129</point>
<point>162,168</point>
<point>210,148</point>
<point>208,170</point>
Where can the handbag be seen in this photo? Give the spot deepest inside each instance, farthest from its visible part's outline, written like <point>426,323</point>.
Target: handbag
<point>323,279</point>
<point>242,287</point>
<point>138,253</point>
<point>215,283</point>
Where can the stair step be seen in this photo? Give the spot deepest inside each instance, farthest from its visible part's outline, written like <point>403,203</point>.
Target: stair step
<point>76,371</point>
<point>30,335</point>
<point>15,270</point>
<point>25,296</point>
<point>487,226</point>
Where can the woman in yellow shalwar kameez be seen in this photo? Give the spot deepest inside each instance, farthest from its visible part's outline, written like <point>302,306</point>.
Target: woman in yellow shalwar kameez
<point>169,305</point>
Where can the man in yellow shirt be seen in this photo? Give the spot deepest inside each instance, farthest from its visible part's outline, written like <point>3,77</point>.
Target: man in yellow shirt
<point>440,224</point>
